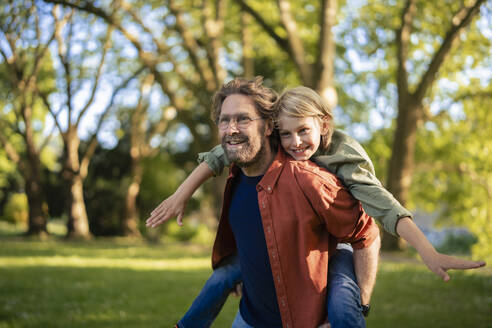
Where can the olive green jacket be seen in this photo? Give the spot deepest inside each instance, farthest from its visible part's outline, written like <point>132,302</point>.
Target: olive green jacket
<point>350,163</point>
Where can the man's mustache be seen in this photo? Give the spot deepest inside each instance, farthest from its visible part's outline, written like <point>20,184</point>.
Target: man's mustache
<point>235,138</point>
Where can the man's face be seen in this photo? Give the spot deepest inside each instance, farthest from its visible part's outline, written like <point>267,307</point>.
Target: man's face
<point>246,135</point>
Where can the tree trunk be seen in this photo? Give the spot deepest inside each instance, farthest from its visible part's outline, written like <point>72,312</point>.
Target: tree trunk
<point>247,42</point>
<point>129,224</point>
<point>37,216</point>
<point>35,197</point>
<point>78,223</point>
<point>401,164</point>
<point>326,54</point>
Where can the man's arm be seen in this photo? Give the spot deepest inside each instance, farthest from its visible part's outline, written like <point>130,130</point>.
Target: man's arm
<point>435,261</point>
<point>176,203</point>
<point>366,268</point>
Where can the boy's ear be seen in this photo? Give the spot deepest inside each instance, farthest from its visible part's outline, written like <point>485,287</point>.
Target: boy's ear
<point>325,125</point>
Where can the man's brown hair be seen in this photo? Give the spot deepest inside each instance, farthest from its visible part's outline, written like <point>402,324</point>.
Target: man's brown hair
<point>263,97</point>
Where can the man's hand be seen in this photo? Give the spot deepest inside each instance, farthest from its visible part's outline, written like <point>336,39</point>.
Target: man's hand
<point>325,325</point>
<point>238,290</point>
<point>440,263</point>
<point>174,206</point>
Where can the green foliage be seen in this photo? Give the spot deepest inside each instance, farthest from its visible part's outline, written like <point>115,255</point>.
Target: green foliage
<point>455,170</point>
<point>161,178</point>
<point>16,210</point>
<point>105,188</point>
<point>461,244</point>
<point>193,231</point>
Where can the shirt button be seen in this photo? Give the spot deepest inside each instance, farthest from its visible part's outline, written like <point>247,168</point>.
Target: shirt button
<point>283,302</point>
<point>269,230</point>
<point>278,278</point>
<point>263,204</point>
<point>273,254</point>
<point>269,188</point>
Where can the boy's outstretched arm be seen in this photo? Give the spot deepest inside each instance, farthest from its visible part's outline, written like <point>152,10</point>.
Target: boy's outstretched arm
<point>175,204</point>
<point>435,261</point>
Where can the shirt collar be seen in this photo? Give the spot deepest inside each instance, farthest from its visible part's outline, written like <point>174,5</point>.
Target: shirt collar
<point>272,174</point>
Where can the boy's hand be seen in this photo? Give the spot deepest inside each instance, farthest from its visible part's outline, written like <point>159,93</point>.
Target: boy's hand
<point>170,207</point>
<point>440,263</point>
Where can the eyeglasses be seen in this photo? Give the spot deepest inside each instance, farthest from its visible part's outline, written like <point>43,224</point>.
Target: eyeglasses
<point>241,121</point>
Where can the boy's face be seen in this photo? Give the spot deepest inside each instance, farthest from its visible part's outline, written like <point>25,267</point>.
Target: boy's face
<point>300,136</point>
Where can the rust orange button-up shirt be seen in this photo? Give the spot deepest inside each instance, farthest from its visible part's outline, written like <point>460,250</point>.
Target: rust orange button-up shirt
<point>305,212</point>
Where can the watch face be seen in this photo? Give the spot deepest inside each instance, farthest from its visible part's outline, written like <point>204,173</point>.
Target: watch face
<point>365,310</point>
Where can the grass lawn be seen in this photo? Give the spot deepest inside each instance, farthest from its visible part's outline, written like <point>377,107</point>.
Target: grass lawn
<point>118,283</point>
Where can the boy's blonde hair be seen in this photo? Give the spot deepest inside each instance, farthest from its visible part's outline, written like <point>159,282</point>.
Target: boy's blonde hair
<point>305,102</point>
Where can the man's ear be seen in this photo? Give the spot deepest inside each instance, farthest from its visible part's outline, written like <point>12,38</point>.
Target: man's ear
<point>269,127</point>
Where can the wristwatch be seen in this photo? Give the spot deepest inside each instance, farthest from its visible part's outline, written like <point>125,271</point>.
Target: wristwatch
<point>365,309</point>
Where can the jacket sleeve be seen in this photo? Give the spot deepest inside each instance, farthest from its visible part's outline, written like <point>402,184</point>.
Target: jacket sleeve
<point>348,160</point>
<point>215,159</point>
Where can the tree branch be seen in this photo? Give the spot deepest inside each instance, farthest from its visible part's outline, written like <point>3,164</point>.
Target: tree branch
<point>326,53</point>
<point>214,26</point>
<point>162,48</point>
<point>402,42</point>
<point>107,45</point>
<point>295,43</point>
<point>9,149</point>
<point>281,42</point>
<point>459,21</point>
<point>148,60</point>
<point>44,98</point>
<point>192,47</point>
<point>84,163</point>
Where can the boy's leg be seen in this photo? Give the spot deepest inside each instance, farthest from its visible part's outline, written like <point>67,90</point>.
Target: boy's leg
<point>213,295</point>
<point>343,302</point>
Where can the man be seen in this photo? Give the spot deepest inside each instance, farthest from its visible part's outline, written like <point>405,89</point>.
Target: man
<point>283,217</point>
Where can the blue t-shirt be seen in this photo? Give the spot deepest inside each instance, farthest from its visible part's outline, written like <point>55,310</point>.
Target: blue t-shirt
<point>259,307</point>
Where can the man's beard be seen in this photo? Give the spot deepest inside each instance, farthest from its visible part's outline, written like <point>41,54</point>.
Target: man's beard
<point>248,155</point>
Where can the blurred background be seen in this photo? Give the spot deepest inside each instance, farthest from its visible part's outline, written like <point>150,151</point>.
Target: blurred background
<point>105,104</point>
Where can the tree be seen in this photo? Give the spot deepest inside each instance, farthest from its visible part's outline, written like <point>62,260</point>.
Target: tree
<point>79,76</point>
<point>181,46</point>
<point>26,71</point>
<point>315,67</point>
<point>423,44</point>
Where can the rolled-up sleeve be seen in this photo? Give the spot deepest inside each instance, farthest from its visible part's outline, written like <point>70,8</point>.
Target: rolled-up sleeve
<point>215,159</point>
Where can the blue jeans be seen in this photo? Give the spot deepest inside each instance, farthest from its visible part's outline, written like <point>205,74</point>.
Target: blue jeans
<point>343,299</point>
<point>213,295</point>
<point>239,322</point>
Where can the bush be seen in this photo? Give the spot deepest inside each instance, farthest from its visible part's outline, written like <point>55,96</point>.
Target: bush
<point>184,233</point>
<point>458,244</point>
<point>16,209</point>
